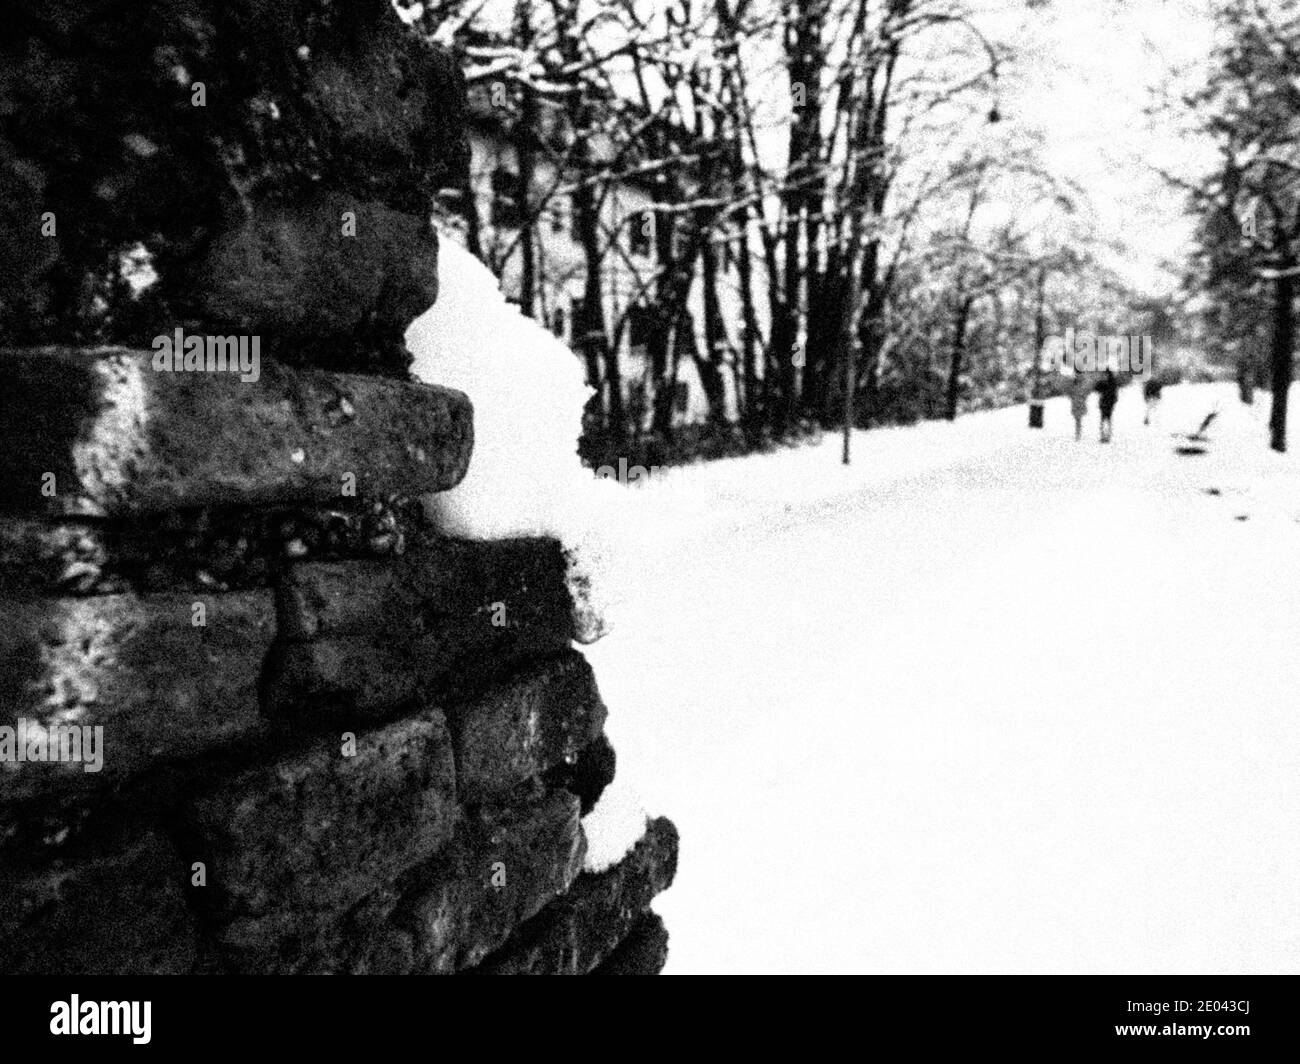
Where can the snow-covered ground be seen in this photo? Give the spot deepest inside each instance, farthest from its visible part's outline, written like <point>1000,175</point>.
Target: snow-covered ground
<point>988,700</point>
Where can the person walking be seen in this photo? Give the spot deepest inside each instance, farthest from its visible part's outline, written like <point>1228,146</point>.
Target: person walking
<point>1151,393</point>
<point>1108,395</point>
<point>1079,403</point>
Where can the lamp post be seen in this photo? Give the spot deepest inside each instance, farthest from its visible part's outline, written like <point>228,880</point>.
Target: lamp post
<point>1036,369</point>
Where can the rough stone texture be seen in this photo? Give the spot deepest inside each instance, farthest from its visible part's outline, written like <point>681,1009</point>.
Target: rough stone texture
<point>204,550</point>
<point>295,274</point>
<point>117,908</point>
<point>643,952</point>
<point>38,833</point>
<point>23,257</point>
<point>366,677</point>
<point>574,934</point>
<point>122,438</point>
<point>590,624</point>
<point>589,775</point>
<point>459,915</point>
<point>60,557</point>
<point>302,98</point>
<point>452,578</point>
<point>266,168</point>
<point>309,836</point>
<point>359,942</point>
<point>364,942</point>
<point>526,724</point>
<point>447,912</point>
<point>358,640</point>
<point>161,688</point>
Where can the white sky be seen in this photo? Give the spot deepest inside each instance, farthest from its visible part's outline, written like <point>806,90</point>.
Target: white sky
<point>1089,70</point>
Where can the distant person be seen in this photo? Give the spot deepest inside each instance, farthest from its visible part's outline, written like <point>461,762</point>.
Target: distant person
<point>1079,403</point>
<point>1108,395</point>
<point>1151,393</point>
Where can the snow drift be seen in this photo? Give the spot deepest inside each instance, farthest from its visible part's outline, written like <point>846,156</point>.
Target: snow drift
<point>528,392</point>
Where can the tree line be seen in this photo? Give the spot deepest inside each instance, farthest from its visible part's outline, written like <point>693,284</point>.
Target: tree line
<point>901,251</point>
<point>1241,286</point>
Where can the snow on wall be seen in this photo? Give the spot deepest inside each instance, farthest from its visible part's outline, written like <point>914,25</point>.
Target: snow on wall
<point>525,478</point>
<point>614,826</point>
<point>528,391</point>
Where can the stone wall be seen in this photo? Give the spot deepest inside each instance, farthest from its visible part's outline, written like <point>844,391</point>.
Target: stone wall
<point>332,740</point>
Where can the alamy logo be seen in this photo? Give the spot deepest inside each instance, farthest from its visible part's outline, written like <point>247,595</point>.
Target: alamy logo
<point>102,1017</point>
<point>32,741</point>
<point>179,353</point>
<point>1086,353</point>
<point>623,474</point>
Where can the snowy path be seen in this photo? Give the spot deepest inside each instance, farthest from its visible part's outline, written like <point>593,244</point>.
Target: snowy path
<point>988,701</point>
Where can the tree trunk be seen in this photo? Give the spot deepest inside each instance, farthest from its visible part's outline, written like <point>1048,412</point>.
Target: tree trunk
<point>710,365</point>
<point>747,398</point>
<point>958,356</point>
<point>1282,353</point>
<point>527,223</point>
<point>805,61</point>
<point>525,130</point>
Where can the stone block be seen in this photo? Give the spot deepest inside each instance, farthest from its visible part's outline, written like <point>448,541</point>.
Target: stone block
<point>505,865</point>
<point>306,837</point>
<point>102,433</point>
<point>643,952</point>
<point>523,726</point>
<point>589,775</point>
<point>578,931</point>
<point>162,689</point>
<point>162,126</point>
<point>204,550</point>
<point>115,909</point>
<point>358,640</point>
<point>309,274</point>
